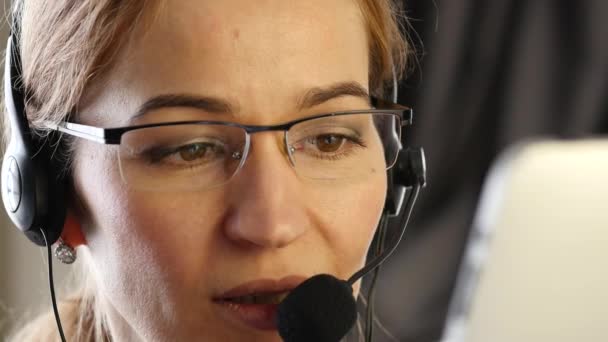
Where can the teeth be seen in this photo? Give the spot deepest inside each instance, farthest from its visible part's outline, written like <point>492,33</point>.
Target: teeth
<point>282,296</point>
<point>266,298</point>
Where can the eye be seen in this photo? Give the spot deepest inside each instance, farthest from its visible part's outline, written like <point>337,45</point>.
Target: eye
<point>329,146</point>
<point>329,143</point>
<point>187,154</point>
<point>194,151</point>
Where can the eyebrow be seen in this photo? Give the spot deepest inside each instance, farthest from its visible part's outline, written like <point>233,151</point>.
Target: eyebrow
<point>318,95</point>
<point>312,97</point>
<point>206,103</point>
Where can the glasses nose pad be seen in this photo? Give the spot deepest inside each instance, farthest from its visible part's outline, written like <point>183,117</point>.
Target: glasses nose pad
<point>237,155</point>
<point>241,155</point>
<point>290,150</point>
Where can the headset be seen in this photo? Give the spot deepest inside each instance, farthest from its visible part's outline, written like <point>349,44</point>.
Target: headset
<point>33,188</point>
<point>34,183</point>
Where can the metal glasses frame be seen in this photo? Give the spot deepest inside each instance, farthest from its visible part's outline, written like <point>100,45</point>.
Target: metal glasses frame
<point>113,136</point>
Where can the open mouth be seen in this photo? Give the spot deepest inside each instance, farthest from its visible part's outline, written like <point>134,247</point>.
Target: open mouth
<point>258,298</point>
<point>255,304</point>
<point>256,310</point>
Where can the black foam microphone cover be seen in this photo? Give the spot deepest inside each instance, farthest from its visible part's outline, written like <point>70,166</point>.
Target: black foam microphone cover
<point>321,309</point>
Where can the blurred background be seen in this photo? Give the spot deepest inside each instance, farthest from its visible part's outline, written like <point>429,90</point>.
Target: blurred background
<point>489,73</point>
<point>492,73</point>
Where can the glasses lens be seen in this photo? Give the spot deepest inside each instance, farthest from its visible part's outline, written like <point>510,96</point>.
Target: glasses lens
<point>181,157</point>
<point>345,146</point>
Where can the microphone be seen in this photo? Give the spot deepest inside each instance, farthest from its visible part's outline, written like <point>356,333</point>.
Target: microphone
<point>320,309</point>
<point>323,308</point>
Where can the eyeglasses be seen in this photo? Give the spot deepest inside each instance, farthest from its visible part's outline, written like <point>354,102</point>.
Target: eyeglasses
<point>195,155</point>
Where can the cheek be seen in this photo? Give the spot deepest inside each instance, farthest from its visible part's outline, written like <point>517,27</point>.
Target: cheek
<point>156,231</point>
<point>143,244</point>
<point>352,212</point>
<point>178,230</point>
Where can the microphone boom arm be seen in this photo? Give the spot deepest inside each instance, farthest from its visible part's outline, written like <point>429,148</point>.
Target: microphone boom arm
<point>411,194</point>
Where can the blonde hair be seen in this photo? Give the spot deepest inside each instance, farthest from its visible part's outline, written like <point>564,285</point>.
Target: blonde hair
<point>66,44</point>
<point>81,316</point>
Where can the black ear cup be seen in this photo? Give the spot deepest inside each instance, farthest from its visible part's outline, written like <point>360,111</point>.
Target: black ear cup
<point>409,171</point>
<point>32,191</point>
<point>410,168</point>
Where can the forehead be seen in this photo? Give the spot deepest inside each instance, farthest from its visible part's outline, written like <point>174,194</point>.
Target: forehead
<point>242,49</point>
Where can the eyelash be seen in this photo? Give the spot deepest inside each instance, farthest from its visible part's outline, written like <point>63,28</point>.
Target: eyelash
<point>358,142</point>
<point>155,155</point>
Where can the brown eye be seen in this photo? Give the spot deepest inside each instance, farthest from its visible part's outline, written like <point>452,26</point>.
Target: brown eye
<point>329,142</point>
<point>193,152</point>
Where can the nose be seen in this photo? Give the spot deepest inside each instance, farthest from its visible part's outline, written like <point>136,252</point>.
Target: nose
<point>266,203</point>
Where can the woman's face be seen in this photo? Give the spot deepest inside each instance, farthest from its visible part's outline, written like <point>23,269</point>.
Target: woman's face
<point>162,259</point>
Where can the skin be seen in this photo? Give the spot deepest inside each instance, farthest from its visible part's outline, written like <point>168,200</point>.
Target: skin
<point>159,257</point>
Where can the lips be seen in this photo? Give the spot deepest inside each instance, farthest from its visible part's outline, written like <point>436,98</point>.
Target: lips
<point>262,286</point>
<point>255,303</point>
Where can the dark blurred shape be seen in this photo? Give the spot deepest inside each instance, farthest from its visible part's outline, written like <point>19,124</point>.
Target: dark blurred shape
<point>320,309</point>
<point>494,72</point>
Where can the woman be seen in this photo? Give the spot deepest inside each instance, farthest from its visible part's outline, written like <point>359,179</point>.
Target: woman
<point>181,227</point>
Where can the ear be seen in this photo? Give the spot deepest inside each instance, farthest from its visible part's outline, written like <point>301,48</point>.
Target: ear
<point>72,230</point>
